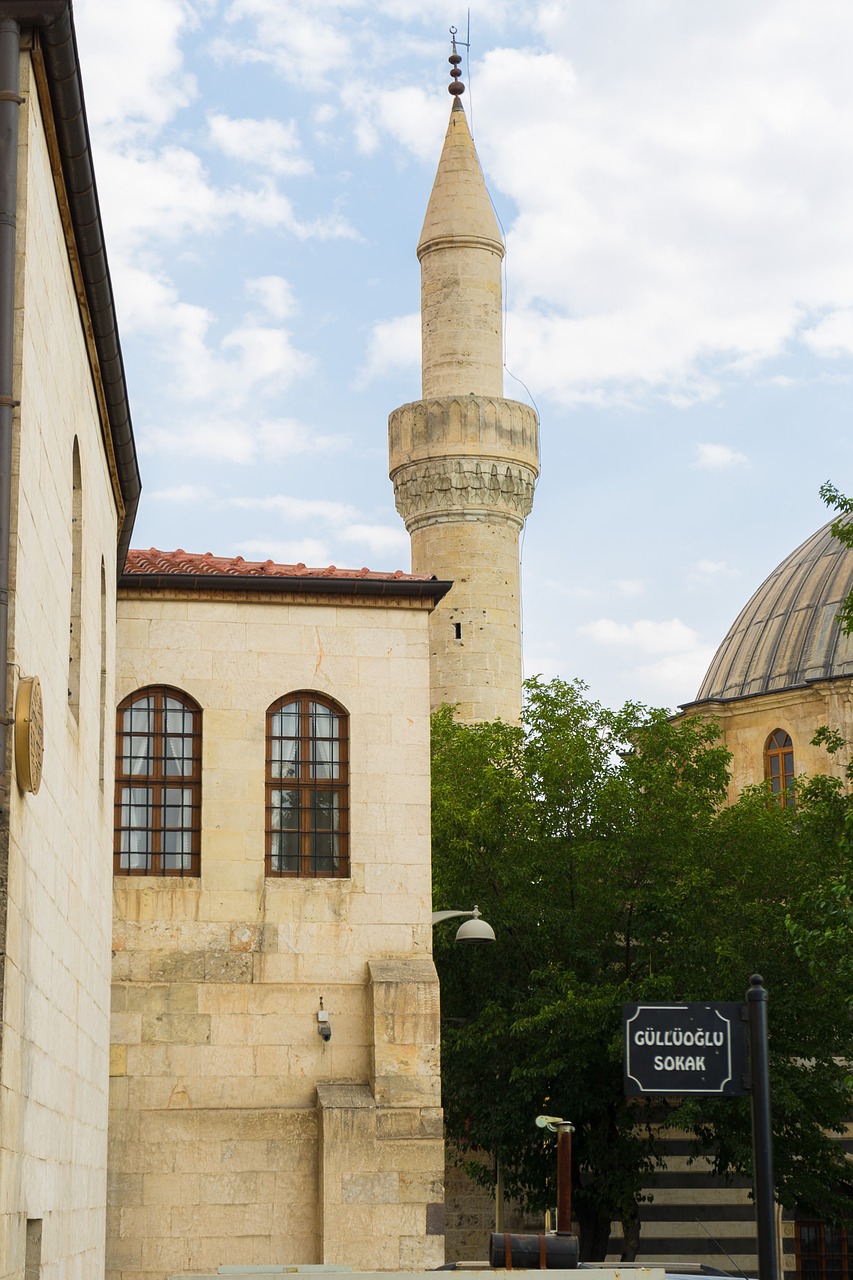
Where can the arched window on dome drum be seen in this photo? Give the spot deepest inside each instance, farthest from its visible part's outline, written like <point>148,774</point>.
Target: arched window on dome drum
<point>307,827</point>
<point>158,784</point>
<point>779,766</point>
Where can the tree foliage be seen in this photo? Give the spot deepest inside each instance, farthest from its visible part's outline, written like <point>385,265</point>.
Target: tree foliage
<point>599,846</point>
<point>842,529</point>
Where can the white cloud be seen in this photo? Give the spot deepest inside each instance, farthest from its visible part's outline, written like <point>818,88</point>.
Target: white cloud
<point>643,636</point>
<point>313,552</point>
<point>717,457</point>
<point>301,43</point>
<point>346,531</point>
<point>150,194</point>
<point>381,539</point>
<point>179,493</point>
<point>212,440</point>
<point>677,676</point>
<point>282,437</point>
<point>268,144</point>
<point>704,571</point>
<point>308,551</point>
<point>624,588</point>
<point>299,508</point>
<point>630,586</point>
<point>199,434</point>
<point>393,344</point>
<point>154,197</point>
<point>248,362</point>
<point>274,295</point>
<point>415,119</point>
<point>558,587</point>
<point>672,225</point>
<point>134,73</point>
<point>264,355</point>
<point>833,335</point>
<point>671,230</point>
<point>667,658</point>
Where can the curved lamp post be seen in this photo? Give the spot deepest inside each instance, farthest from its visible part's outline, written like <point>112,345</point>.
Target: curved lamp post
<point>475,929</point>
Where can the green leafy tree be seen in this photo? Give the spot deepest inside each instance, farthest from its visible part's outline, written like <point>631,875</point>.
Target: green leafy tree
<point>842,529</point>
<point>599,846</point>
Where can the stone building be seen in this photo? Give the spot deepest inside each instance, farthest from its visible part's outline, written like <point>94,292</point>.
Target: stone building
<point>265,808</point>
<point>785,668</point>
<point>68,491</point>
<point>272,882</point>
<point>245,910</point>
<point>267,805</point>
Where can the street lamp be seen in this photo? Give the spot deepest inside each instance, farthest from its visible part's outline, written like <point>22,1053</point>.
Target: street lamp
<point>564,1130</point>
<point>475,929</point>
<point>551,1249</point>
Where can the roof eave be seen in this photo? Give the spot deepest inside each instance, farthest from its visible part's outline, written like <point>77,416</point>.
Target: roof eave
<point>431,589</point>
<point>62,68</point>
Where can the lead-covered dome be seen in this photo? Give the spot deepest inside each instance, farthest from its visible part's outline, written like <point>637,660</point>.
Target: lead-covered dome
<point>788,633</point>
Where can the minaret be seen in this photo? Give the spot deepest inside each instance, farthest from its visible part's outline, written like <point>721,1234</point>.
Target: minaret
<point>464,460</point>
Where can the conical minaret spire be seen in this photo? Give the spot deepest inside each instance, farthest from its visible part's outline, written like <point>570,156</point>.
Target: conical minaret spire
<point>464,459</point>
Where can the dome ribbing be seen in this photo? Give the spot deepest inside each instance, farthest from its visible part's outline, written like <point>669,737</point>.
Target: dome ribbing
<point>788,633</point>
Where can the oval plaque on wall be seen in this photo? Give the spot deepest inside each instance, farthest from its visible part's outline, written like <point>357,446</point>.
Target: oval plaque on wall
<point>29,734</point>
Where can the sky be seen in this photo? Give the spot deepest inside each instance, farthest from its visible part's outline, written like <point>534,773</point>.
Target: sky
<point>675,186</point>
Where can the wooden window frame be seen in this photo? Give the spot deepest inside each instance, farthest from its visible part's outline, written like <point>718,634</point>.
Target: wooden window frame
<point>843,1260</point>
<point>307,785</point>
<point>157,782</point>
<point>779,746</point>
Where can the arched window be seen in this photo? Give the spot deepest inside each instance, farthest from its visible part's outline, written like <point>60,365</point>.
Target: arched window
<point>158,784</point>
<point>307,787</point>
<point>779,766</point>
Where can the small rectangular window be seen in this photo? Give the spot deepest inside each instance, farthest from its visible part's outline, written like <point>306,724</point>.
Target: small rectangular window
<point>32,1258</point>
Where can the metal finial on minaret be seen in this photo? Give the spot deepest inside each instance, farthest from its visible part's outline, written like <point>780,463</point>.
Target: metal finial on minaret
<point>456,87</point>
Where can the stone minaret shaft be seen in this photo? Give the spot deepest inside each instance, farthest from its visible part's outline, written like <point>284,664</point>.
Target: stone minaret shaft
<point>463,459</point>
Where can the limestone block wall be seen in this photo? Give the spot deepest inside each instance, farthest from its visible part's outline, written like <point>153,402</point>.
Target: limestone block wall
<point>462,319</point>
<point>475,631</point>
<point>216,1059</point>
<point>464,470</point>
<point>747,724</point>
<point>53,1069</point>
<point>470,1212</point>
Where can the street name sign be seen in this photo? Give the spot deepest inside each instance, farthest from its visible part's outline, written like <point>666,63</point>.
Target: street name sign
<point>685,1049</point>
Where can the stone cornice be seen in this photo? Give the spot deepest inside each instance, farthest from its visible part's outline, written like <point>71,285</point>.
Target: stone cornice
<point>454,242</point>
<point>462,488</point>
<point>489,427</point>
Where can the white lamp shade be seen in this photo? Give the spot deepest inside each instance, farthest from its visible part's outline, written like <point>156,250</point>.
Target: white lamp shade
<point>475,930</point>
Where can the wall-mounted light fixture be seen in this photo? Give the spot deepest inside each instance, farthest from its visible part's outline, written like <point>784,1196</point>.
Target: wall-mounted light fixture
<point>475,929</point>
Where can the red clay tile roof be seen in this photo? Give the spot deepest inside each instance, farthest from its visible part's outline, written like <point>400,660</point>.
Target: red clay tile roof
<point>180,562</point>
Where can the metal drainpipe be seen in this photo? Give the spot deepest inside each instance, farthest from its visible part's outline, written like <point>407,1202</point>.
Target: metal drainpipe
<point>10,101</point>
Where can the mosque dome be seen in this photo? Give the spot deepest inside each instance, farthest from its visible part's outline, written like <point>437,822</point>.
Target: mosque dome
<point>788,634</point>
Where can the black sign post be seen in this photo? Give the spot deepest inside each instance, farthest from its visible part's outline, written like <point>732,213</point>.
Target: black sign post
<point>701,1049</point>
<point>762,1130</point>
